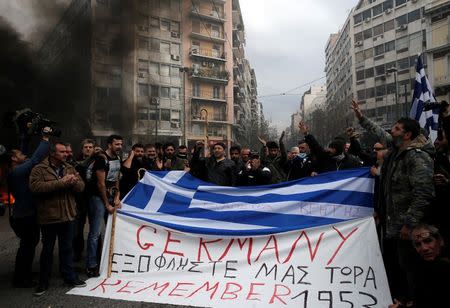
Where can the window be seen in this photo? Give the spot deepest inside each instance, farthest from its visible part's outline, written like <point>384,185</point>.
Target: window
<point>196,89</point>
<point>379,70</point>
<point>377,10</point>
<point>164,48</point>
<point>389,25</point>
<point>165,92</point>
<point>154,91</point>
<point>361,94</point>
<point>357,18</point>
<point>142,114</point>
<point>380,90</point>
<point>215,31</point>
<point>390,65</point>
<point>368,73</point>
<point>358,36</point>
<point>165,25</point>
<point>378,50</point>
<point>216,91</point>
<point>216,51</point>
<point>367,14</point>
<point>165,114</point>
<point>378,30</point>
<point>360,75</point>
<point>164,70</point>
<point>368,53</point>
<point>152,114</point>
<point>359,57</point>
<point>390,88</point>
<point>370,92</point>
<point>414,15</point>
<point>401,20</point>
<point>403,64</point>
<point>143,89</point>
<point>175,26</point>
<point>175,93</point>
<point>143,66</point>
<point>402,43</point>
<point>389,46</point>
<point>388,5</point>
<point>367,33</point>
<point>154,44</point>
<point>400,2</point>
<point>154,68</point>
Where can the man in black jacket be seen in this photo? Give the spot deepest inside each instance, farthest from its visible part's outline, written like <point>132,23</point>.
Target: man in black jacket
<point>216,169</point>
<point>254,173</point>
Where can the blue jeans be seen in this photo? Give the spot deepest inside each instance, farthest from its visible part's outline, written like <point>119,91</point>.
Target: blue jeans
<point>96,214</point>
<point>64,232</point>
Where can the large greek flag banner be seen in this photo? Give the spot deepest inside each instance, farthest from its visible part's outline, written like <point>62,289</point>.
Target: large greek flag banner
<point>305,243</point>
<point>423,95</point>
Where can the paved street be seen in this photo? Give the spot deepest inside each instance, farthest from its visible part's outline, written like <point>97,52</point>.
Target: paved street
<point>55,297</point>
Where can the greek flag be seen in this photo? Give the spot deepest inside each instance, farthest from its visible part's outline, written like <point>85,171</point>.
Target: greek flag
<point>179,201</point>
<point>423,94</point>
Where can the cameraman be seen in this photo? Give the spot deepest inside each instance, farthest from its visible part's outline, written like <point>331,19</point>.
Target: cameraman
<point>23,218</point>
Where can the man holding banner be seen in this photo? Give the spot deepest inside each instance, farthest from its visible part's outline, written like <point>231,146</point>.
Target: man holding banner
<point>406,192</point>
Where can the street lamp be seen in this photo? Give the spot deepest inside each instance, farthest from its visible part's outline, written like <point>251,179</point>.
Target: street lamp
<point>184,70</point>
<point>395,71</point>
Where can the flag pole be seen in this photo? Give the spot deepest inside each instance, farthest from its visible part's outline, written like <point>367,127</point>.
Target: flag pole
<point>111,242</point>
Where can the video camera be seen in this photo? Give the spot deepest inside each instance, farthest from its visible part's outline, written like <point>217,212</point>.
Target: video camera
<point>32,123</point>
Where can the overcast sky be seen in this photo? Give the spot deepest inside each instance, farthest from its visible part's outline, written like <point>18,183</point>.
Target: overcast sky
<point>285,42</point>
<point>285,45</point>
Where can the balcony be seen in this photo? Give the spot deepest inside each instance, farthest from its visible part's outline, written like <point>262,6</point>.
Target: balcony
<point>211,15</point>
<point>209,96</point>
<point>436,6</point>
<point>210,54</point>
<point>203,34</point>
<point>210,74</point>
<point>220,118</point>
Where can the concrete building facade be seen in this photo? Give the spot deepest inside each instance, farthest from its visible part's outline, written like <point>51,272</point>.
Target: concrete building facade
<point>437,14</point>
<point>155,70</point>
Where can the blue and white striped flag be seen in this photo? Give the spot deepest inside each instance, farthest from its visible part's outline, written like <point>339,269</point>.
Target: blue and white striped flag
<point>179,201</point>
<point>423,94</point>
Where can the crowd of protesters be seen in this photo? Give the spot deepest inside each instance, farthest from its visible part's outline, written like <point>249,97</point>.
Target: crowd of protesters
<point>56,193</point>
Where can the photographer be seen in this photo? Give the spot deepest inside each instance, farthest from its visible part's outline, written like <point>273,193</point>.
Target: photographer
<point>23,217</point>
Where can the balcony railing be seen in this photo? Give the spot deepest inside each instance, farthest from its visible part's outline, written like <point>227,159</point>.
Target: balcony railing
<point>209,73</point>
<point>207,53</point>
<point>211,118</point>
<point>208,95</point>
<point>213,14</point>
<point>204,34</point>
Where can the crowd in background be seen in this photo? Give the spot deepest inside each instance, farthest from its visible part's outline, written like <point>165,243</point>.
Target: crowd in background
<point>56,192</point>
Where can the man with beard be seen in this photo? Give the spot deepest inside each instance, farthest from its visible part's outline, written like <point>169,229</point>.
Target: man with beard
<point>274,156</point>
<point>334,158</point>
<point>216,169</point>
<point>104,197</point>
<point>171,161</point>
<point>130,168</point>
<point>406,192</point>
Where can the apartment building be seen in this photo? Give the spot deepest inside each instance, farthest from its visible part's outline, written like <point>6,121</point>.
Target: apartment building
<point>208,85</point>
<point>438,47</point>
<point>388,36</point>
<point>155,70</point>
<point>339,70</point>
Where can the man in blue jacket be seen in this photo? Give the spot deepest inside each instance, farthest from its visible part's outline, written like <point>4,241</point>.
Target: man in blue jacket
<point>23,219</point>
